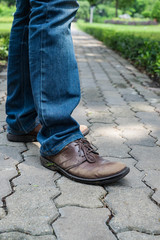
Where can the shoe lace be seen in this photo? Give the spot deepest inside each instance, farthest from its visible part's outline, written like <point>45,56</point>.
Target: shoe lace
<point>87,149</point>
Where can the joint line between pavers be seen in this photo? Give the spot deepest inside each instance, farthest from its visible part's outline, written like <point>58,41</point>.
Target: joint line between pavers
<point>58,215</point>
<point>110,217</point>
<point>153,191</point>
<point>23,232</point>
<point>12,184</point>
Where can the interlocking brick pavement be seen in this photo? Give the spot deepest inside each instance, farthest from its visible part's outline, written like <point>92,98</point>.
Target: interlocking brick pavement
<point>123,114</point>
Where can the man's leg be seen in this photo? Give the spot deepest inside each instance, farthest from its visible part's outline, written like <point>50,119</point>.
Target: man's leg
<point>54,72</point>
<point>20,108</point>
<point>55,84</point>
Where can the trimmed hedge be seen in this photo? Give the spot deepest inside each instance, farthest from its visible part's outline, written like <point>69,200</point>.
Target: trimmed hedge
<point>140,49</point>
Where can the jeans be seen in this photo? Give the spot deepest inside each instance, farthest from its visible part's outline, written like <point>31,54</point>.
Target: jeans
<point>43,81</point>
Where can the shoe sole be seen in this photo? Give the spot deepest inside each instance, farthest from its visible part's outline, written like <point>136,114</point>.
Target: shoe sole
<point>28,138</point>
<point>21,138</point>
<point>99,181</point>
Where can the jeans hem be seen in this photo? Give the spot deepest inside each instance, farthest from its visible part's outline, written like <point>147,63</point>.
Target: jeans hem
<point>60,146</point>
<point>29,129</point>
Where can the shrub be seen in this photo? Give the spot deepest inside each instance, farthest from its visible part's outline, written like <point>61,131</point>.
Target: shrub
<point>4,45</point>
<point>83,11</point>
<point>141,50</point>
<point>5,10</point>
<point>146,14</point>
<point>156,11</point>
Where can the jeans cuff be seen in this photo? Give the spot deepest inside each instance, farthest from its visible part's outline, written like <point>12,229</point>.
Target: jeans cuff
<point>29,129</point>
<point>60,146</point>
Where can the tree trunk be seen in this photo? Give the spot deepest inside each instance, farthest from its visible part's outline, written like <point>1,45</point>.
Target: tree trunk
<point>117,8</point>
<point>91,13</point>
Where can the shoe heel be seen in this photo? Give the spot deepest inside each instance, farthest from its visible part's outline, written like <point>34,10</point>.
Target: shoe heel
<point>48,164</point>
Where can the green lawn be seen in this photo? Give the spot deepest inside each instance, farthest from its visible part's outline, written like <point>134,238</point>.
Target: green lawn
<point>5,27</point>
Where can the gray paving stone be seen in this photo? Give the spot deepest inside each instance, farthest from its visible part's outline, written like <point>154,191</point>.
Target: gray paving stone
<point>111,147</point>
<point>125,90</point>
<point>3,74</point>
<point>31,209</point>
<point>105,130</point>
<point>132,180</point>
<point>105,85</point>
<point>91,93</point>
<point>2,213</point>
<point>149,95</point>
<point>8,162</point>
<point>77,194</point>
<point>100,117</point>
<point>2,94</point>
<point>2,116</point>
<point>2,126</point>
<point>150,120</point>
<point>133,210</point>
<point>142,107</point>
<point>122,111</point>
<point>133,98</point>
<point>5,142</point>
<point>33,149</point>
<point>133,235</point>
<point>152,179</point>
<point>156,134</point>
<point>129,123</point>
<point>89,224</point>
<point>22,236</point>
<point>79,114</point>
<point>108,141</point>
<point>137,136</point>
<point>121,86</point>
<point>5,176</point>
<point>2,106</point>
<point>112,98</point>
<point>97,106</point>
<point>10,154</point>
<point>157,106</point>
<point>147,157</point>
<point>3,86</point>
<point>33,173</point>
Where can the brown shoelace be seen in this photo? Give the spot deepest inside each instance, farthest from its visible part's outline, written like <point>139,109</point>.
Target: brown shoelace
<point>87,149</point>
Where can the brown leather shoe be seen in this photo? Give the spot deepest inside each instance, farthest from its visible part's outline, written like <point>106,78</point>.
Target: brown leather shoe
<point>32,136</point>
<point>79,162</point>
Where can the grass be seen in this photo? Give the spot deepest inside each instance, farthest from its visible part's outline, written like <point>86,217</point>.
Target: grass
<point>6,19</point>
<point>5,24</point>
<point>5,27</point>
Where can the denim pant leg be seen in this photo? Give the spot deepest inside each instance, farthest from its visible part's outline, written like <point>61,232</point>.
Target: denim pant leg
<point>20,105</point>
<point>54,72</point>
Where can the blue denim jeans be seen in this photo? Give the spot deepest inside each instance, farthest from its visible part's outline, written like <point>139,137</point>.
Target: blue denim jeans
<point>43,81</point>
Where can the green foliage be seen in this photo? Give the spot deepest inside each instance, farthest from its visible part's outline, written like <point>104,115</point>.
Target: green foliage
<point>6,11</point>
<point>83,11</point>
<point>139,6</point>
<point>156,11</point>
<point>9,2</point>
<point>105,11</point>
<point>6,18</point>
<point>4,44</point>
<point>136,46</point>
<point>93,2</point>
<point>146,14</point>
